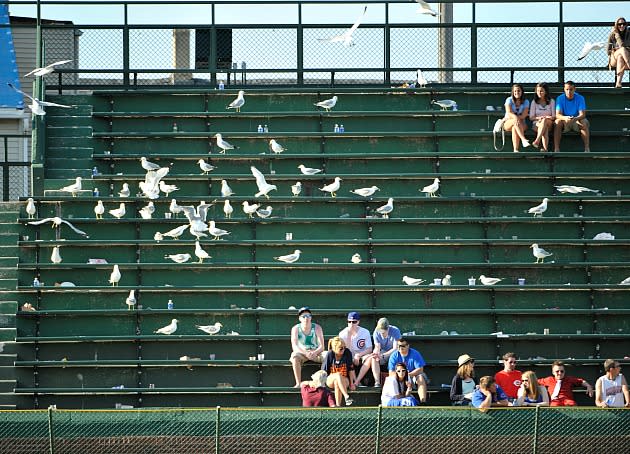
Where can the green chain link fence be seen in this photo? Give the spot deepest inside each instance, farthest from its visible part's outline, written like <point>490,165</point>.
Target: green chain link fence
<point>299,430</point>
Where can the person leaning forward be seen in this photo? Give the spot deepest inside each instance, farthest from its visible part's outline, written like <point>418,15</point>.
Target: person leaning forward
<point>307,343</point>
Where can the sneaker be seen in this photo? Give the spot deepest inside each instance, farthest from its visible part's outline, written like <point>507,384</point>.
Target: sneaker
<point>525,143</point>
<point>377,385</point>
<point>349,401</point>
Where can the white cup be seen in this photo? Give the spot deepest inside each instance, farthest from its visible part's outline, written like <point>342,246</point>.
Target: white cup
<point>212,356</point>
<point>288,236</point>
<point>252,358</point>
<point>167,215</point>
<point>437,281</point>
<point>471,281</point>
<point>546,331</point>
<point>521,281</point>
<point>261,356</point>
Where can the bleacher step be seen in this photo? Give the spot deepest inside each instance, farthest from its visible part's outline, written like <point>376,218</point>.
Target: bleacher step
<point>6,386</point>
<point>7,334</point>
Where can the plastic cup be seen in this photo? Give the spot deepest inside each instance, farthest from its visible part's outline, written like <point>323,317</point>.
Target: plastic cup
<point>261,356</point>
<point>471,281</point>
<point>437,281</point>
<point>521,281</point>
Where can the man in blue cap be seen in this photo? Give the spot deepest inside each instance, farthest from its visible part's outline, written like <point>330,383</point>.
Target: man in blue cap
<point>359,341</point>
<point>307,342</point>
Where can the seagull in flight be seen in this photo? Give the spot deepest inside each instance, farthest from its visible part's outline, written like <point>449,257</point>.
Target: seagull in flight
<point>346,37</point>
<point>425,8</point>
<point>37,72</point>
<point>264,188</point>
<point>56,222</point>
<point>238,102</point>
<point>37,106</point>
<point>589,47</point>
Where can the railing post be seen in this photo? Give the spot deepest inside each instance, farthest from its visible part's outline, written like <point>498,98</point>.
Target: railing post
<point>379,416</point>
<point>217,431</point>
<point>300,48</point>
<point>473,45</point>
<point>535,444</point>
<point>560,44</point>
<point>5,171</point>
<point>51,436</point>
<point>126,48</point>
<point>387,51</point>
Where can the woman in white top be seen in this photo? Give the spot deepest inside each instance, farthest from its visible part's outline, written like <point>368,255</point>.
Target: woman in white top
<point>530,393</point>
<point>516,111</point>
<point>397,389</point>
<point>542,113</point>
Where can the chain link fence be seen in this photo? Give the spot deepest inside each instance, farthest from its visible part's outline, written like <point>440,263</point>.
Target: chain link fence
<point>14,166</point>
<point>290,430</point>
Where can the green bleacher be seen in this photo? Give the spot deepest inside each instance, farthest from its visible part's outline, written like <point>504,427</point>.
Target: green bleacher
<point>82,343</point>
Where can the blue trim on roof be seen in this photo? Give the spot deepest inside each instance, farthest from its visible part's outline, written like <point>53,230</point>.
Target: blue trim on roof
<point>8,69</point>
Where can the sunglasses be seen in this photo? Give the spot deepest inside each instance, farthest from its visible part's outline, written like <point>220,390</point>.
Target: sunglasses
<point>354,322</point>
<point>400,371</point>
<point>403,345</point>
<point>558,372</point>
<point>621,24</point>
<point>524,380</point>
<point>306,316</point>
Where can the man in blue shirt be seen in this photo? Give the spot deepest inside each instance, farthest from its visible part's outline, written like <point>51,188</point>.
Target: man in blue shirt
<point>415,365</point>
<point>488,394</point>
<point>571,116</point>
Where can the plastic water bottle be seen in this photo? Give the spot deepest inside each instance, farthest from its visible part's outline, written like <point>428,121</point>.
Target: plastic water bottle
<point>341,128</point>
<point>221,85</point>
<point>36,282</point>
<point>336,128</point>
<point>175,128</point>
<point>266,129</point>
<point>94,171</point>
<point>169,305</point>
<point>96,192</point>
<point>260,129</point>
<point>455,107</point>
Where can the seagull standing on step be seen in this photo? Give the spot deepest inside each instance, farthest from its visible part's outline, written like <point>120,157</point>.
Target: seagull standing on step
<point>626,281</point>
<point>289,258</point>
<point>175,208</point>
<point>333,187</point>
<point>386,209</point>
<point>124,192</point>
<point>356,258</point>
<point>539,209</point>
<point>446,280</point>
<point>365,192</point>
<point>227,209</point>
<point>147,165</point>
<point>216,232</point>
<point>37,106</point>
<point>238,102</point>
<point>226,190</point>
<point>73,188</point>
<point>308,170</point>
<point>146,212</point>
<point>168,329</point>
<point>539,253</point>
<point>445,104</point>
<point>420,80</point>
<point>296,189</point>
<point>210,329</point>
<point>178,258</point>
<point>118,212</point>
<point>327,104</point>
<point>264,188</point>
<point>99,209</point>
<point>264,213</point>
<point>205,167</point>
<point>114,277</point>
<point>56,222</point>
<point>425,8</point>
<point>489,280</point>
<point>224,145</point>
<point>174,233</point>
<point>38,72</point>
<point>248,209</point>
<point>431,189</point>
<point>412,281</point>
<point>346,37</point>
<point>131,299</point>
<point>570,189</point>
<point>55,256</point>
<point>200,253</point>
<point>30,208</point>
<point>167,188</point>
<point>276,147</point>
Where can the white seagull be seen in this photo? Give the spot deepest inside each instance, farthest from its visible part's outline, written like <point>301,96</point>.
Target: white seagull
<point>420,80</point>
<point>146,212</point>
<point>200,253</point>
<point>131,299</point>
<point>37,106</point>
<point>356,258</point>
<point>210,329</point>
<point>289,258</point>
<point>539,209</point>
<point>238,102</point>
<point>569,189</point>
<point>296,189</point>
<point>205,167</point>
<point>264,212</point>
<point>37,72</point>
<point>445,104</point>
<point>248,209</point>
<point>30,208</point>
<point>327,103</point>
<point>276,147</point>
<point>539,253</point>
<point>114,277</point>
<point>589,47</point>
<point>432,188</point>
<point>365,192</point>
<point>56,222</point>
<point>55,256</point>
<point>226,190</point>
<point>124,192</point>
<point>489,280</point>
<point>425,8</point>
<point>99,209</point>
<point>73,188</point>
<point>446,280</point>
<point>118,212</point>
<point>227,209</point>
<point>167,188</point>
<point>332,187</point>
<point>308,170</point>
<point>168,329</point>
<point>412,281</point>
<point>173,233</point>
<point>386,209</point>
<point>175,208</point>
<point>626,281</point>
<point>178,258</point>
<point>216,232</point>
<point>346,37</point>
<point>264,188</point>
<point>223,144</point>
<point>147,165</point>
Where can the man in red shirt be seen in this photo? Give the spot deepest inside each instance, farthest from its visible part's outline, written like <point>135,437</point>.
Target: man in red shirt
<point>509,379</point>
<point>560,386</point>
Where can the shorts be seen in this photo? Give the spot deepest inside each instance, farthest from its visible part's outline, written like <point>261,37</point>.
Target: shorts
<point>575,126</point>
<point>302,359</point>
<point>562,403</point>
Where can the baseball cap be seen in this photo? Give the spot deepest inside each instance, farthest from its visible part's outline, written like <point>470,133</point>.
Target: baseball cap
<point>304,309</point>
<point>354,316</point>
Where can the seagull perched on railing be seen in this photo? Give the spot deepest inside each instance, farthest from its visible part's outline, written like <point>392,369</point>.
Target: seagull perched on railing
<point>276,147</point>
<point>55,255</point>
<point>210,329</point>
<point>178,258</point>
<point>365,192</point>
<point>56,222</point>
<point>173,233</point>
<point>216,232</point>
<point>489,280</point>
<point>386,209</point>
<point>248,209</point>
<point>346,37</point>
<point>37,106</point>
<point>420,80</point>
<point>412,281</point>
<point>238,102</point>
<point>200,252</point>
<point>148,165</point>
<point>168,329</point>
<point>118,212</point>
<point>205,167</point>
<point>131,299</point>
<point>147,211</point>
<point>114,277</point>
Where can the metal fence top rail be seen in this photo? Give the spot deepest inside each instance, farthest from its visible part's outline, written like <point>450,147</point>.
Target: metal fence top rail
<point>267,2</point>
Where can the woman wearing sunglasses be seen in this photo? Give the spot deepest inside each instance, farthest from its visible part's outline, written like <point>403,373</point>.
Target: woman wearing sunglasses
<point>530,393</point>
<point>619,49</point>
<point>398,389</point>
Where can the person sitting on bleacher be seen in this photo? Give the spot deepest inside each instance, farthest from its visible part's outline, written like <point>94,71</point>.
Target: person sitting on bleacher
<point>314,392</point>
<point>516,111</point>
<point>509,379</point>
<point>489,394</point>
<point>611,389</point>
<point>385,338</point>
<point>397,389</point>
<point>359,342</point>
<point>571,116</point>
<point>307,342</point>
<point>560,386</point>
<point>340,368</point>
<point>415,365</point>
<point>530,393</point>
<point>464,382</point>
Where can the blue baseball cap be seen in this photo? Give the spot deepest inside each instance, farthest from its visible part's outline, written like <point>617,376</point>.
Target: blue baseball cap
<point>354,316</point>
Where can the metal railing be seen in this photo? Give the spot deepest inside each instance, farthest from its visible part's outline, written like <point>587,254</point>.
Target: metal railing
<point>290,430</point>
<point>15,166</point>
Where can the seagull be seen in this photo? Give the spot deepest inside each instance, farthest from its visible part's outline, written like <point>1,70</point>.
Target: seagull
<point>56,222</point>
<point>308,170</point>
<point>588,47</point>
<point>216,232</point>
<point>238,102</point>
<point>264,212</point>
<point>174,233</point>
<point>539,209</point>
<point>276,147</point>
<point>445,104</point>
<point>420,80</point>
<point>332,187</point>
<point>223,144</point>
<point>99,209</point>
<point>114,277</point>
<point>446,280</point>
<point>566,188</point>
<point>626,281</point>
<point>210,329</point>
<point>227,209</point>
<point>146,212</point>
<point>205,167</point>
<point>198,233</point>
<point>327,103</point>
<point>38,72</point>
<point>55,256</point>
<point>425,8</point>
<point>540,253</point>
<point>296,189</point>
<point>431,189</point>
<point>178,258</point>
<point>73,188</point>
<point>289,258</point>
<point>30,208</point>
<point>118,212</point>
<point>250,209</point>
<point>226,190</point>
<point>167,188</point>
<point>346,37</point>
<point>365,192</point>
<point>168,329</point>
<point>175,208</point>
<point>124,192</point>
<point>200,253</point>
<point>37,106</point>
<point>386,209</point>
<point>131,299</point>
<point>412,281</point>
<point>147,165</point>
<point>356,258</point>
<point>489,280</point>
<point>264,188</point>
<point>150,185</point>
